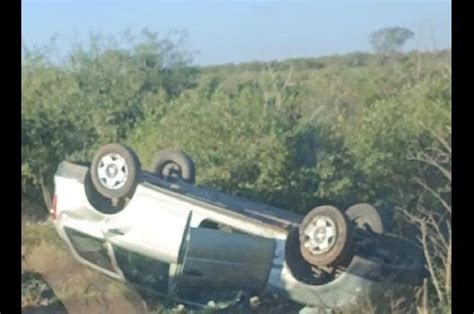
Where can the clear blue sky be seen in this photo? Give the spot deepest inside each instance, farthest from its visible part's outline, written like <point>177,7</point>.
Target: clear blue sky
<point>238,31</point>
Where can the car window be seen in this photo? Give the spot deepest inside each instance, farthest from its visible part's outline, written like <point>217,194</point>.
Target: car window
<point>90,248</point>
<point>143,270</point>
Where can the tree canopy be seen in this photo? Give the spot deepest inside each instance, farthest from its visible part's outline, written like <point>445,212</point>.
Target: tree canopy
<point>390,39</point>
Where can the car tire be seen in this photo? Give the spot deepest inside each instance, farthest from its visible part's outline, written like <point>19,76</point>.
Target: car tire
<point>299,268</point>
<point>326,237</point>
<point>174,164</point>
<point>366,216</point>
<point>114,171</point>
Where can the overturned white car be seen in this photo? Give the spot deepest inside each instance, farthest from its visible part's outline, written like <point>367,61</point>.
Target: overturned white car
<point>159,231</point>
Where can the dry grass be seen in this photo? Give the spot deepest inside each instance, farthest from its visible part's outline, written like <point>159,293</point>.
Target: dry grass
<point>46,257</point>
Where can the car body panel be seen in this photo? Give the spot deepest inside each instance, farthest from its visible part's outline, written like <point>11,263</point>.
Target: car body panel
<point>219,208</point>
<point>163,228</point>
<point>361,277</point>
<point>339,293</point>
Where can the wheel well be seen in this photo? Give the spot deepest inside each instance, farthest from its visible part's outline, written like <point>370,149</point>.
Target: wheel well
<point>98,201</point>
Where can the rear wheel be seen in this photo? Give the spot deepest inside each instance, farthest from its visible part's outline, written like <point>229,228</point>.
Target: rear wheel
<point>366,216</point>
<point>173,164</point>
<point>325,237</point>
<point>114,171</point>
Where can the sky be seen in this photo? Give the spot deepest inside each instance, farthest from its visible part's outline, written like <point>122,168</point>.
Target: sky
<point>235,31</point>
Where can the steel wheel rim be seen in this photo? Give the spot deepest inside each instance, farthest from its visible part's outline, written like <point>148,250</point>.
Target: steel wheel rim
<point>112,171</point>
<point>320,235</point>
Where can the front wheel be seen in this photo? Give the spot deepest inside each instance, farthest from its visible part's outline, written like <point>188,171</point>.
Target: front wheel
<point>325,237</point>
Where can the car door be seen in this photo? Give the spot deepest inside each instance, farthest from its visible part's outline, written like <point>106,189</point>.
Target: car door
<point>92,250</point>
<point>219,265</point>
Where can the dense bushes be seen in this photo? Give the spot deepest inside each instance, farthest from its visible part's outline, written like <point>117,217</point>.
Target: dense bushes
<point>97,95</point>
<point>290,133</point>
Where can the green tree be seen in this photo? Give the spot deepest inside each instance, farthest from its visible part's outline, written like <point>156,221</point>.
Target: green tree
<point>390,39</point>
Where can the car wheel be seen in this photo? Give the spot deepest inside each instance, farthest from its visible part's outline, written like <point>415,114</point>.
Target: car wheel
<point>114,171</point>
<point>366,216</point>
<point>174,164</point>
<point>325,237</point>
